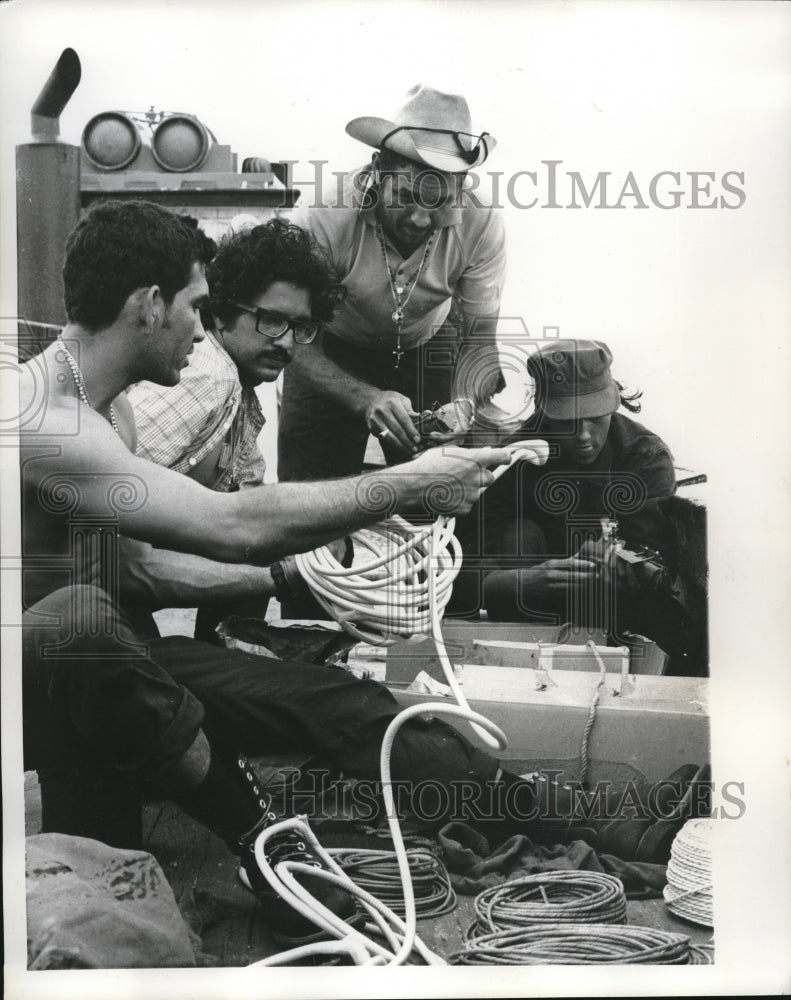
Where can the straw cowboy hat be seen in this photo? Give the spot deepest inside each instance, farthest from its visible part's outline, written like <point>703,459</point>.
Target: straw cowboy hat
<point>431,127</point>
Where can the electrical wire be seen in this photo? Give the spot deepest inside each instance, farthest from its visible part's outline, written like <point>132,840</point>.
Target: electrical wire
<point>387,598</point>
<point>549,897</point>
<point>579,944</point>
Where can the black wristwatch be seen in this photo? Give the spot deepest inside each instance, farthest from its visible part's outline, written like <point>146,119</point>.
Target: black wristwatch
<point>283,590</point>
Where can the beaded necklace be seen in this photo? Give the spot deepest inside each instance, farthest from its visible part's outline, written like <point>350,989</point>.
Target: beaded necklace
<point>396,291</point>
<point>79,381</point>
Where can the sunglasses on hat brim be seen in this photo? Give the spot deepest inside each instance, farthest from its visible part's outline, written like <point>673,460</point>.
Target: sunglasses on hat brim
<point>470,156</point>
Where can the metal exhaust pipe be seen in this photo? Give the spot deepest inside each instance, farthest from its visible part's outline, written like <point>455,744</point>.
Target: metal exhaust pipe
<point>54,96</point>
<point>47,207</point>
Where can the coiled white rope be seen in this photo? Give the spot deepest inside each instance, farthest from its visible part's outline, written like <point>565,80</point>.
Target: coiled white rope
<point>400,593</point>
<point>401,934</point>
<point>404,586</point>
<point>688,892</point>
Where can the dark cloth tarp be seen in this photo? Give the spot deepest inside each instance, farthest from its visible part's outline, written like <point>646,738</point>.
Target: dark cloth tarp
<point>475,866</point>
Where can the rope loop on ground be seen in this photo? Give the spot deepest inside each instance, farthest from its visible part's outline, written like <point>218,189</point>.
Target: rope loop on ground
<point>549,897</point>
<point>580,944</point>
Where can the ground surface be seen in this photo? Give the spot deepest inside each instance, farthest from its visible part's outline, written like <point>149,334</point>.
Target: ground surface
<point>231,923</point>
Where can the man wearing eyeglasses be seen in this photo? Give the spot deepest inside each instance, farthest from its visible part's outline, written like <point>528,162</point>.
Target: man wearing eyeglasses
<point>270,291</point>
<point>423,263</point>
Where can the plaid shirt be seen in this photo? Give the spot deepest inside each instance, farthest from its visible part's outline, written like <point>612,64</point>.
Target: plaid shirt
<point>178,426</point>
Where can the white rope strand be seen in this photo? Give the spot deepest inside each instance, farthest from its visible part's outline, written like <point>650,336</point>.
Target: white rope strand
<point>397,588</point>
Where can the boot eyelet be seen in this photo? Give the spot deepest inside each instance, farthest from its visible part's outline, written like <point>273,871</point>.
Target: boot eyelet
<point>271,817</point>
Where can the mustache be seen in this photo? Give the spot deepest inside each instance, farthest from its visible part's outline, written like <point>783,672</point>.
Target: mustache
<point>279,355</point>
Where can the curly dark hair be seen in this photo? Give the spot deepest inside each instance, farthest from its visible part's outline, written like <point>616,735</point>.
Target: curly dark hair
<point>120,246</point>
<point>249,262</point>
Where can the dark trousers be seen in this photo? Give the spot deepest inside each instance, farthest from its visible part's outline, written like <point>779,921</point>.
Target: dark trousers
<point>321,439</point>
<point>97,699</point>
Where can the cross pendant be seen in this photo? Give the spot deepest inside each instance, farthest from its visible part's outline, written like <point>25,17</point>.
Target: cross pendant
<point>398,353</point>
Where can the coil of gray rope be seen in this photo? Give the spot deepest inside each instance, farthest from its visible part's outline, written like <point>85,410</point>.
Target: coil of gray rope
<point>378,873</point>
<point>580,944</point>
<point>549,897</point>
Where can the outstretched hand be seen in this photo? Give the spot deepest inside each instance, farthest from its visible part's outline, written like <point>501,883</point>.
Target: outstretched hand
<point>558,575</point>
<point>454,478</point>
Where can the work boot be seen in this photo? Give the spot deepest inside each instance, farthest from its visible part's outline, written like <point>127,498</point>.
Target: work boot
<point>686,794</point>
<point>287,925</point>
<point>695,802</point>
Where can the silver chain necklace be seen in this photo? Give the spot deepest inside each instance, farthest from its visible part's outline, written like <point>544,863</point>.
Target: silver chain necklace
<point>396,291</point>
<point>79,382</point>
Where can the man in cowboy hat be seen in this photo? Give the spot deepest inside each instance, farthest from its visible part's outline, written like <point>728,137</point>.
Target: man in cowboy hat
<point>540,536</point>
<point>423,264</point>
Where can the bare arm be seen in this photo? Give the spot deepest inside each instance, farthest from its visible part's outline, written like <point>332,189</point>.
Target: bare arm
<point>378,409</point>
<point>478,375</point>
<point>160,578</point>
<point>476,378</point>
<point>323,375</point>
<point>93,474</point>
<point>553,576</point>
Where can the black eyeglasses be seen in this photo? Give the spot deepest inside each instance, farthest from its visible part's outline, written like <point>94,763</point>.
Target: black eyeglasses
<point>470,155</point>
<point>274,325</point>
